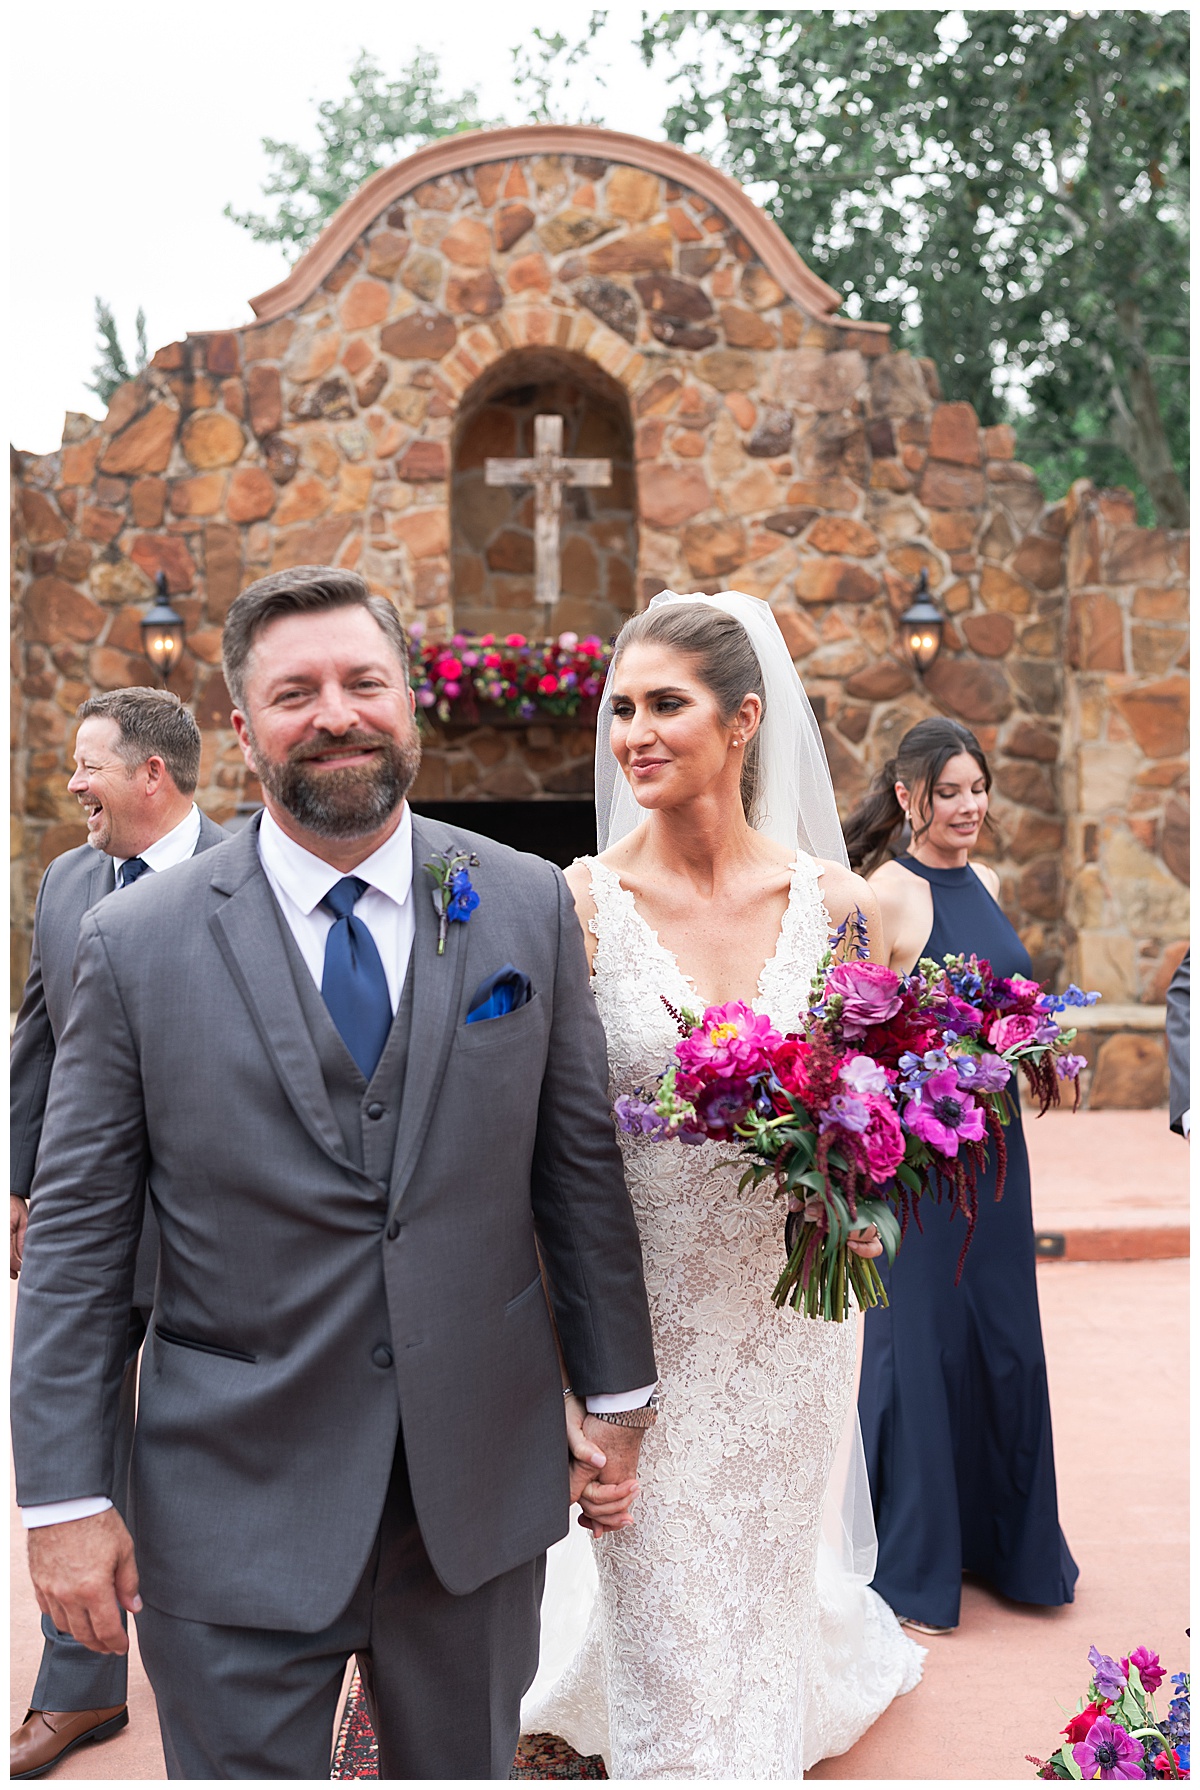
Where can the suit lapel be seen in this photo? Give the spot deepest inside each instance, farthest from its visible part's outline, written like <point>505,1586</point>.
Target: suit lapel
<point>436,999</point>
<point>102,879</point>
<point>247,928</point>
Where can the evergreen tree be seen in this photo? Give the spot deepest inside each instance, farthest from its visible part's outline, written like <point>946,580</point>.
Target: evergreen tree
<point>112,369</point>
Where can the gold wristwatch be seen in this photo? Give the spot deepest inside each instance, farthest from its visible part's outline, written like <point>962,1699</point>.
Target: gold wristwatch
<point>642,1417</point>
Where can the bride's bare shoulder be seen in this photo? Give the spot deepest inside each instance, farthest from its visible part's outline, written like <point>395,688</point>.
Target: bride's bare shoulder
<point>579,880</point>
<point>844,890</point>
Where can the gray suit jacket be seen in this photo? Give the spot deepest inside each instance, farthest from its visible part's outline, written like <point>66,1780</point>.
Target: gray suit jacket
<point>1179,1041</point>
<point>309,1311</point>
<point>72,884</point>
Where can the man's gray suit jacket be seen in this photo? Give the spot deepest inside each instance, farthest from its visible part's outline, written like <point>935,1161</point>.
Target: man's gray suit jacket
<point>307,1314</point>
<point>1179,1041</point>
<point>73,883</point>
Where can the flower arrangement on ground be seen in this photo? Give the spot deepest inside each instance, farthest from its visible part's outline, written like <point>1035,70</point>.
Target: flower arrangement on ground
<point>1116,1732</point>
<point>887,1092</point>
<point>523,678</point>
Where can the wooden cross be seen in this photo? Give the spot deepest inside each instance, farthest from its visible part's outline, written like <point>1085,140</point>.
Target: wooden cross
<point>548,472</point>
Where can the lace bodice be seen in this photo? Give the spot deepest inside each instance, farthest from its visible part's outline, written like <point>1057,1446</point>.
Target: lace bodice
<point>703,1655</point>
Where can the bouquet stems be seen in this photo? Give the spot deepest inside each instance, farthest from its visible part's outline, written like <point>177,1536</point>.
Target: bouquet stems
<point>820,1277</point>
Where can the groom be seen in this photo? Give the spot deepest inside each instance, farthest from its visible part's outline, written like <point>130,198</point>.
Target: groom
<point>357,1135</point>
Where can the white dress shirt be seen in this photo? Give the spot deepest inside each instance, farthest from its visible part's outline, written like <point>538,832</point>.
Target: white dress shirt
<point>173,848</point>
<point>300,882</point>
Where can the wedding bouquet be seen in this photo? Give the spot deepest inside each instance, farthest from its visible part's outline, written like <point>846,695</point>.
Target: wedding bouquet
<point>1115,1732</point>
<point>524,678</point>
<point>886,1093</point>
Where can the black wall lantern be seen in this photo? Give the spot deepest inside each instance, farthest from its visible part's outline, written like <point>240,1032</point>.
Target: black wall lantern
<point>162,632</point>
<point>921,627</point>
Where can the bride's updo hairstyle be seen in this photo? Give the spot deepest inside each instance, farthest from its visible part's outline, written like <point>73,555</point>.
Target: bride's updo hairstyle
<point>722,658</point>
<point>921,757</point>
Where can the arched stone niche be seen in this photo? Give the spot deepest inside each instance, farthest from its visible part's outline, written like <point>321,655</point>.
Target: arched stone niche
<point>492,545</point>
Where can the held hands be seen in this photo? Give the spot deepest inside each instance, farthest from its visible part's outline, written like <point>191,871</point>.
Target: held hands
<point>18,1218</point>
<point>603,1469</point>
<point>84,1574</point>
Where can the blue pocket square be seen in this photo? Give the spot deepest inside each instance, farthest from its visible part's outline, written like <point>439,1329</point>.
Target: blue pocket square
<point>501,993</point>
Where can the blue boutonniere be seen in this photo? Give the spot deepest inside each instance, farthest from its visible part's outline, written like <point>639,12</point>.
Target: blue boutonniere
<point>453,896</point>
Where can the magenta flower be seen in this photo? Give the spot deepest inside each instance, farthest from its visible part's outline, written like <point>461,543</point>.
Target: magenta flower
<point>940,1113</point>
<point>731,1041</point>
<point>870,995</point>
<point>1014,1029</point>
<point>1150,1668</point>
<point>881,1145</point>
<point>1109,1751</point>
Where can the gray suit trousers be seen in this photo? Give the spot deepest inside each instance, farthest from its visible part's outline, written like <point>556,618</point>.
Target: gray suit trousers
<point>71,1676</point>
<point>443,1675</point>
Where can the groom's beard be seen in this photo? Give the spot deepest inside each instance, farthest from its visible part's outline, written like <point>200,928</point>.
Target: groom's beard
<point>346,803</point>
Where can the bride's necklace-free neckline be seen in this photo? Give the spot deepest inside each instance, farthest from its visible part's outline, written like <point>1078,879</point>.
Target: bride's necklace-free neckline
<point>673,960</point>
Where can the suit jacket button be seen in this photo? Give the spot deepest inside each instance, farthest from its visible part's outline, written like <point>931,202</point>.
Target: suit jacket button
<point>393,1230</point>
<point>381,1355</point>
<point>375,1111</point>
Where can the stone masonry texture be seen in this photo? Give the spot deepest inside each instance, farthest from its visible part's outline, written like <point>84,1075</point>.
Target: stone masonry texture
<point>755,446</point>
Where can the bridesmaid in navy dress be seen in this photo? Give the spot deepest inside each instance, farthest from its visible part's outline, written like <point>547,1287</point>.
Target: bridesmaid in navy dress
<point>954,1403</point>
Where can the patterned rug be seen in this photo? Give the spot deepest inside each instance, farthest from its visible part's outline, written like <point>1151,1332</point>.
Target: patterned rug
<point>541,1756</point>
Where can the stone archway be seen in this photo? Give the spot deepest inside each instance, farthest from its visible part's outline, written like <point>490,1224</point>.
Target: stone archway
<point>492,548</point>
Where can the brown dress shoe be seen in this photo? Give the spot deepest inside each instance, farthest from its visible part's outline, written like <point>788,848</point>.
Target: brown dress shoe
<point>48,1735</point>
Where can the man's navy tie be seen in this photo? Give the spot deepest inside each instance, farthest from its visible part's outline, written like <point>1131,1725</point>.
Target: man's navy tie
<point>131,869</point>
<point>353,983</point>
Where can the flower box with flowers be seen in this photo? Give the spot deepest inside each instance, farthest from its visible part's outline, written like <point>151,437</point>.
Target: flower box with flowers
<point>475,680</point>
<point>884,1095</point>
<point>1116,1731</point>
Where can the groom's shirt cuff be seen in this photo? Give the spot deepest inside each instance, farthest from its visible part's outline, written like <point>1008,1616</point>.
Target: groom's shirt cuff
<point>599,1402</point>
<point>70,1510</point>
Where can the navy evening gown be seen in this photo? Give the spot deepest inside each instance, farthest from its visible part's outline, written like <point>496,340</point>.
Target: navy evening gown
<point>953,1401</point>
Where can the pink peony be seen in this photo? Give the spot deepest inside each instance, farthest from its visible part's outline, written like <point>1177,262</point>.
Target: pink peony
<point>1014,1029</point>
<point>882,1143</point>
<point>870,995</point>
<point>730,1041</point>
<point>940,1113</point>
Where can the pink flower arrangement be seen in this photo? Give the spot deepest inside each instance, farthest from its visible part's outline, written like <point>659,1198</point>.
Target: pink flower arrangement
<point>523,678</point>
<point>887,1092</point>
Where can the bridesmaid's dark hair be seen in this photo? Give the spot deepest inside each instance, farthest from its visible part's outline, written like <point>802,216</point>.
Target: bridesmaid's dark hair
<point>921,757</point>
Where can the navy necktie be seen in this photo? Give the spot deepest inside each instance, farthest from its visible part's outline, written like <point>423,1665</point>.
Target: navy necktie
<point>353,984</point>
<point>131,869</point>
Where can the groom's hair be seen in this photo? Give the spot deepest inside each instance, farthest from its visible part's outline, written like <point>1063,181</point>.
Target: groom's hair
<point>301,590</point>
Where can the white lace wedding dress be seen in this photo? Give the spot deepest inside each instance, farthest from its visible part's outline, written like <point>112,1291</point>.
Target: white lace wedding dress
<point>715,1649</point>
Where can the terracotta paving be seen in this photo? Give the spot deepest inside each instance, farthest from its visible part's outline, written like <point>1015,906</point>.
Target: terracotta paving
<point>1117,1344</point>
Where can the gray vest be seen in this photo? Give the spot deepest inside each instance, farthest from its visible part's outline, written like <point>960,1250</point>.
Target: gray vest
<point>368,1115</point>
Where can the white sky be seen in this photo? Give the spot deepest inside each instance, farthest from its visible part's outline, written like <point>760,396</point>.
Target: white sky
<point>133,124</point>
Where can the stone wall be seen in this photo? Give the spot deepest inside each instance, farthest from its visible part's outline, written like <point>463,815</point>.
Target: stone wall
<point>1125,748</point>
<point>492,546</point>
<point>778,448</point>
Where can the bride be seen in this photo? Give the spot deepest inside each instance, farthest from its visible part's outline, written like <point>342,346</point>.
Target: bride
<point>724,1640</point>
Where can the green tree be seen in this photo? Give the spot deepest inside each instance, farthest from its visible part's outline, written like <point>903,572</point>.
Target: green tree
<point>377,123</point>
<point>113,369</point>
<point>1008,189</point>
